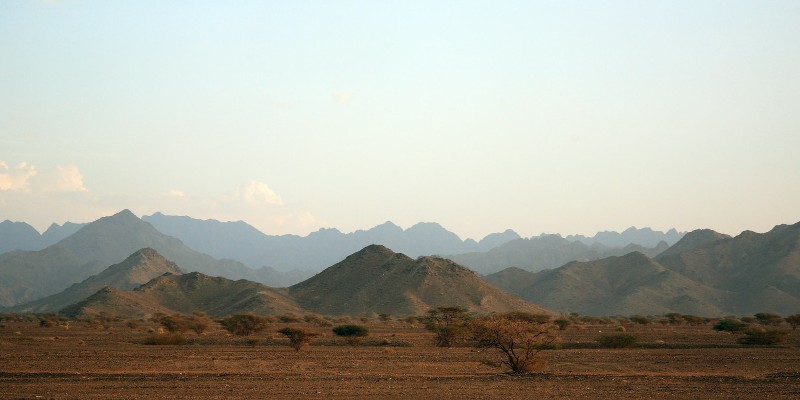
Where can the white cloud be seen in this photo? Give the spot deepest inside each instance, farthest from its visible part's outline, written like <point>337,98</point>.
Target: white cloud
<point>343,97</point>
<point>16,178</point>
<point>259,193</point>
<point>176,193</point>
<point>68,178</point>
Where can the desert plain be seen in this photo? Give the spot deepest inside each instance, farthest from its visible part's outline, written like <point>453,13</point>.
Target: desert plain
<point>398,360</point>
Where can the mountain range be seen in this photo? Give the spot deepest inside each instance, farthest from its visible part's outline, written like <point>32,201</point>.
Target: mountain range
<point>31,275</point>
<point>645,237</point>
<point>318,250</point>
<point>136,270</point>
<point>242,242</point>
<point>372,280</point>
<point>545,252</point>
<point>188,293</point>
<point>112,260</point>
<point>705,273</point>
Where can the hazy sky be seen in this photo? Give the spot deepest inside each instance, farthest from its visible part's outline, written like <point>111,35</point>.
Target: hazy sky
<point>540,116</point>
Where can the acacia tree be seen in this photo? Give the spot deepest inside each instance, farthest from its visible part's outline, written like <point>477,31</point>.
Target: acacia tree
<point>244,324</point>
<point>768,319</point>
<point>793,320</point>
<point>448,325</point>
<point>519,340</point>
<point>298,338</point>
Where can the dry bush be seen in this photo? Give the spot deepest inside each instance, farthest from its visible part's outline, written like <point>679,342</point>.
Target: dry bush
<point>519,340</point>
<point>316,320</point>
<point>243,324</point>
<point>199,322</point>
<point>764,337</point>
<point>177,323</point>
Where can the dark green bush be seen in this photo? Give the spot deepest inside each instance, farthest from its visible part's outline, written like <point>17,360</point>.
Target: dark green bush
<point>351,330</point>
<point>769,319</point>
<point>730,324</point>
<point>170,339</point>
<point>562,323</point>
<point>351,333</point>
<point>617,341</point>
<point>527,317</point>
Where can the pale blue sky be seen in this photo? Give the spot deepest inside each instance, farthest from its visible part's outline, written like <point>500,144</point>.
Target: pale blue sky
<point>556,116</point>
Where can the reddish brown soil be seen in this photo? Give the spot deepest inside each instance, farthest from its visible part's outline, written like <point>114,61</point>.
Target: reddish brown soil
<point>111,363</point>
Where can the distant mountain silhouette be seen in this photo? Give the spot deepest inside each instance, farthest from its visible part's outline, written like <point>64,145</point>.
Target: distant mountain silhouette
<point>136,270</point>
<point>378,280</point>
<point>187,293</point>
<point>22,236</point>
<point>645,237</point>
<point>242,242</point>
<point>56,232</point>
<point>543,252</point>
<point>18,236</point>
<point>706,273</point>
<point>29,275</point>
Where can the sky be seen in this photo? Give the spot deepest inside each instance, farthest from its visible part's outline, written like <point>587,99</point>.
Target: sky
<point>567,117</point>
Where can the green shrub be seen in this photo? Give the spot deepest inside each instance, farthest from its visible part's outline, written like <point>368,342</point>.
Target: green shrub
<point>769,319</point>
<point>617,341</point>
<point>351,333</point>
<point>562,323</point>
<point>527,317</point>
<point>730,324</point>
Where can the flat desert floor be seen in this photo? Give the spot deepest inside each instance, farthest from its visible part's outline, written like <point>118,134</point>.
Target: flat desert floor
<point>110,362</point>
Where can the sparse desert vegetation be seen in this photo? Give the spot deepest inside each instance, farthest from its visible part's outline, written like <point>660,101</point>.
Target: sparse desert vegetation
<point>110,359</point>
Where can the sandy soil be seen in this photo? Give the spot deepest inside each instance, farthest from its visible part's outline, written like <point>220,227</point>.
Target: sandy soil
<point>111,363</point>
